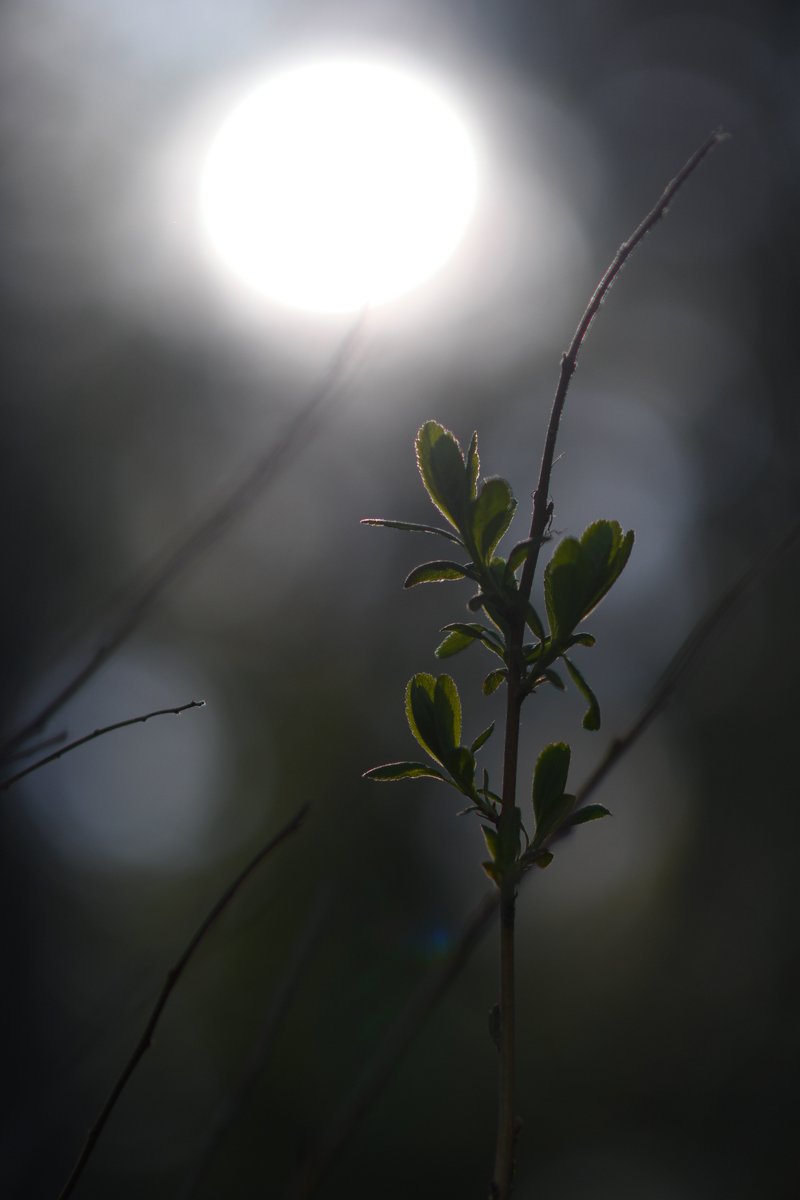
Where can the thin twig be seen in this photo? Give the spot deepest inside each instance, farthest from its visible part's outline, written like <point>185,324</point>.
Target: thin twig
<point>542,512</point>
<point>90,737</point>
<point>205,533</point>
<point>569,361</point>
<point>172,979</point>
<point>434,989</point>
<point>230,1108</point>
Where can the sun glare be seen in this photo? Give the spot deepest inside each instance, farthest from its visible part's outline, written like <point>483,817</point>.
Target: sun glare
<point>338,184</point>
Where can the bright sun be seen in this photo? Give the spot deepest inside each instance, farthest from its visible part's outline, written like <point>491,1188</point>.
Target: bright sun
<point>338,184</point>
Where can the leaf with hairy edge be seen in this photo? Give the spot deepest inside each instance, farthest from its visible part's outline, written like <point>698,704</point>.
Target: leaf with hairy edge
<point>441,465</point>
<point>413,527</point>
<point>591,719</point>
<point>454,643</point>
<point>391,772</point>
<point>473,467</point>
<point>447,713</point>
<point>590,812</point>
<point>420,713</point>
<point>493,681</point>
<point>550,779</point>
<point>490,515</point>
<point>437,572</point>
<point>479,633</point>
<point>482,738</point>
<point>519,553</point>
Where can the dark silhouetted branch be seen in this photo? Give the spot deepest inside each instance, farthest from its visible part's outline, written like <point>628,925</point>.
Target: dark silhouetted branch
<point>97,733</point>
<point>173,977</point>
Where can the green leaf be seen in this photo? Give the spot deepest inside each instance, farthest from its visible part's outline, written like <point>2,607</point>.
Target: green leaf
<point>550,802</point>
<point>590,812</point>
<point>520,552</point>
<point>412,527</point>
<point>473,467</point>
<point>591,719</point>
<point>581,572</point>
<point>447,713</point>
<point>482,738</point>
<point>420,713</point>
<point>391,772</point>
<point>566,580</point>
<point>441,465</point>
<point>490,837</point>
<point>454,643</point>
<point>437,572</point>
<point>606,551</point>
<point>553,677</point>
<point>493,680</point>
<point>543,859</point>
<point>490,515</point>
<point>478,633</point>
<point>582,639</point>
<point>461,765</point>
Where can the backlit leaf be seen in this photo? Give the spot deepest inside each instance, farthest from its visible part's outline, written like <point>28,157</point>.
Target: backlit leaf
<point>412,527</point>
<point>391,772</point>
<point>441,465</point>
<point>437,572</point>
<point>591,719</point>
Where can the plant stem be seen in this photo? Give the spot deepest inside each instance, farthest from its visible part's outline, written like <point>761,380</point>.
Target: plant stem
<point>504,1155</point>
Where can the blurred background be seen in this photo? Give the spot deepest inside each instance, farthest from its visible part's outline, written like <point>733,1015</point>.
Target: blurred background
<point>660,954</point>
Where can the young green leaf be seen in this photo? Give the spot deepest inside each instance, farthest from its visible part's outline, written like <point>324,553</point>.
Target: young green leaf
<point>591,719</point>
<point>437,572</point>
<point>391,772</point>
<point>441,465</point>
<point>606,551</point>
<point>490,515</point>
<point>461,765</point>
<point>590,812</point>
<point>473,467</point>
<point>413,527</point>
<point>478,633</point>
<point>550,805</point>
<point>482,738</point>
<point>519,553</point>
<point>454,643</point>
<point>420,714</point>
<point>566,583</point>
<point>447,714</point>
<point>493,680</point>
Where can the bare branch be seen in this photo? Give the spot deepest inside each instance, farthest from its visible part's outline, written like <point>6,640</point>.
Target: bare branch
<point>569,361</point>
<point>173,977</point>
<point>206,531</point>
<point>36,748</point>
<point>90,737</point>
